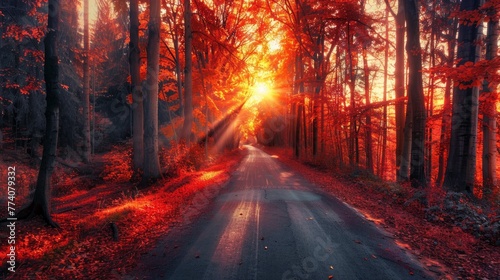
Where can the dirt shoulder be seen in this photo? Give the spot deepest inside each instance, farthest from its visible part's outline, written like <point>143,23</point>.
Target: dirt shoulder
<point>437,241</point>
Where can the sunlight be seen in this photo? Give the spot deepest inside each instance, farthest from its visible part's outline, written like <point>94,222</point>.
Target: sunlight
<point>93,10</point>
<point>274,45</point>
<point>210,175</point>
<point>260,91</point>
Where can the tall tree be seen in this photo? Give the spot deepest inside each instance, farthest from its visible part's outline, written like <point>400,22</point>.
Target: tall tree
<point>381,170</point>
<point>460,171</point>
<point>137,93</point>
<point>399,88</point>
<point>41,200</point>
<point>188,74</point>
<point>489,107</point>
<point>151,161</point>
<point>368,117</point>
<point>86,84</point>
<point>416,95</point>
<point>450,36</point>
<point>351,60</point>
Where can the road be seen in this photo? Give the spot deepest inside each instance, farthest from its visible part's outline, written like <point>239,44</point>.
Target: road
<point>269,223</point>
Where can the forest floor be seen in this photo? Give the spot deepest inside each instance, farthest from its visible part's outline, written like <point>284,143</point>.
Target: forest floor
<point>107,224</point>
<point>452,233</point>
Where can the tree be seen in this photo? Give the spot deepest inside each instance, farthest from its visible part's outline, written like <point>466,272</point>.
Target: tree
<point>136,88</point>
<point>461,167</point>
<point>381,170</point>
<point>415,95</point>
<point>86,84</point>
<point>188,74</point>
<point>22,32</point>
<point>151,161</point>
<point>399,86</point>
<point>70,75</point>
<point>490,97</point>
<point>449,61</point>
<point>41,200</point>
<point>368,117</point>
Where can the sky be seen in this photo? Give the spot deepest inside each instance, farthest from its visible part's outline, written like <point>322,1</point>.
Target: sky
<point>92,11</point>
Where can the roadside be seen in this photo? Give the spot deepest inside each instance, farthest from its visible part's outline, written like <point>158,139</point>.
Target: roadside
<point>106,223</point>
<point>435,240</point>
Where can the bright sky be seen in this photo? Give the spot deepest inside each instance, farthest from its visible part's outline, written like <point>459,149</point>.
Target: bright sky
<point>92,11</point>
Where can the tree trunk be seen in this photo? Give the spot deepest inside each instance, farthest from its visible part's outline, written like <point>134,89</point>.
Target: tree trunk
<point>381,170</point>
<point>416,91</point>
<point>41,200</point>
<point>137,94</point>
<point>318,67</point>
<point>151,162</point>
<point>178,71</point>
<point>368,118</point>
<point>489,110</point>
<point>460,170</point>
<point>430,98</point>
<point>446,119</point>
<point>353,153</point>
<point>404,170</point>
<point>298,116</point>
<point>399,86</point>
<point>304,123</point>
<point>188,74</point>
<point>86,84</point>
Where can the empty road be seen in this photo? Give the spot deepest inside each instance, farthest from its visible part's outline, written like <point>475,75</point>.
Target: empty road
<point>269,223</point>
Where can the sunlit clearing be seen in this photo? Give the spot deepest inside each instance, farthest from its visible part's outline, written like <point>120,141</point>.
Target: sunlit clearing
<point>260,91</point>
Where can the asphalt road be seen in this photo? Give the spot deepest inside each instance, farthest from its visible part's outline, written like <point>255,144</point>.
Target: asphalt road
<point>268,223</point>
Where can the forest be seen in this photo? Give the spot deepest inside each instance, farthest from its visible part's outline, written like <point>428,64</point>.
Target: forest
<point>120,117</point>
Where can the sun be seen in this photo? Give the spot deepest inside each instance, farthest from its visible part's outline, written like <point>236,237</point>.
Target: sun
<point>274,45</point>
<point>260,91</point>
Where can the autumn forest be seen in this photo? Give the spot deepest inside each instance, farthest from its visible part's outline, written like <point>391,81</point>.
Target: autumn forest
<point>125,124</point>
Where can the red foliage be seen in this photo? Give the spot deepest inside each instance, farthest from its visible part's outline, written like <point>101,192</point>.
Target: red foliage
<point>118,168</point>
<point>84,244</point>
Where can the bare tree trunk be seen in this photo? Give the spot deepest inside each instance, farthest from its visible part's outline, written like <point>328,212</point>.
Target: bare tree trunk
<point>368,118</point>
<point>41,200</point>
<point>430,98</point>
<point>489,110</point>
<point>353,153</point>
<point>446,119</point>
<point>404,169</point>
<point>460,170</point>
<point>86,84</point>
<point>137,94</point>
<point>298,116</point>
<point>384,116</point>
<point>297,130</point>
<point>188,74</point>
<point>416,91</point>
<point>178,73</point>
<point>318,67</point>
<point>151,162</point>
<point>399,85</point>
<point>304,123</point>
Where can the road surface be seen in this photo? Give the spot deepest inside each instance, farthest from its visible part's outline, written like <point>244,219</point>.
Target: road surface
<point>268,223</point>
